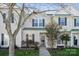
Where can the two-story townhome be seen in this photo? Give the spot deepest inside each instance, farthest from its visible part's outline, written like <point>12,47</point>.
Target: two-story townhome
<point>34,29</point>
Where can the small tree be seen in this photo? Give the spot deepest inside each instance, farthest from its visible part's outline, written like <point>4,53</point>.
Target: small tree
<point>52,31</point>
<point>65,37</point>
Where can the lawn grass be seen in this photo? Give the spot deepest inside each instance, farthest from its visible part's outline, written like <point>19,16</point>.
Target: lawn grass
<point>65,52</point>
<point>5,52</point>
<point>27,53</point>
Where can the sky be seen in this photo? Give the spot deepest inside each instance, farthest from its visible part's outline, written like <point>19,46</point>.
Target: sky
<point>49,6</point>
<point>52,6</point>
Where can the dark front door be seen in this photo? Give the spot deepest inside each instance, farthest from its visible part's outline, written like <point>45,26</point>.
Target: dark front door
<point>75,41</point>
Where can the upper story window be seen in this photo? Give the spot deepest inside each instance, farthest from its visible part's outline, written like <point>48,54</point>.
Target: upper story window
<point>62,21</point>
<point>38,22</point>
<point>4,18</point>
<point>34,22</point>
<point>76,22</point>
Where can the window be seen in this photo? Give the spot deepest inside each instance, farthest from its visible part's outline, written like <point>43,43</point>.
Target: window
<point>34,22</point>
<point>38,22</point>
<point>4,17</point>
<point>2,37</point>
<point>63,21</point>
<point>76,22</point>
<point>41,22</point>
<point>59,41</point>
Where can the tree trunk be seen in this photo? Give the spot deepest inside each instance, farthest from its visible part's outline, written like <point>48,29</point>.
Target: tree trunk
<point>12,46</point>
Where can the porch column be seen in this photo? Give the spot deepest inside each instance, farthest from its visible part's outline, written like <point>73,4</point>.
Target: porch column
<point>71,40</point>
<point>46,42</point>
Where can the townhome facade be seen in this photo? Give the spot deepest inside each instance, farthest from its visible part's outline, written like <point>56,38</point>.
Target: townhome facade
<point>34,29</point>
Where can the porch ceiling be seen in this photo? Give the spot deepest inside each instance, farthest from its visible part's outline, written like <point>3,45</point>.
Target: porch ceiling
<point>34,28</point>
<point>75,30</point>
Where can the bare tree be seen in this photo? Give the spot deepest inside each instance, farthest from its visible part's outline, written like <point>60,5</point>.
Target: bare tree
<point>21,20</point>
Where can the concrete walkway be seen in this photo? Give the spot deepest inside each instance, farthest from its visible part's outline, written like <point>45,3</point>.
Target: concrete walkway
<point>43,52</point>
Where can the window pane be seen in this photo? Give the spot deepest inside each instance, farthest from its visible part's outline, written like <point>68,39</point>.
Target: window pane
<point>40,22</point>
<point>35,22</point>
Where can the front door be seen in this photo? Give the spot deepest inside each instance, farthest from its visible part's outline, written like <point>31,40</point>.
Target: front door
<point>75,41</point>
<point>42,40</point>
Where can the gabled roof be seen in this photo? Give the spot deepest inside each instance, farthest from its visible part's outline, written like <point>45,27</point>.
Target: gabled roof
<point>73,11</point>
<point>65,11</point>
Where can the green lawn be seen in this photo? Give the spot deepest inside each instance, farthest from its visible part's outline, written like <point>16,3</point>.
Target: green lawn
<point>65,52</point>
<point>4,52</point>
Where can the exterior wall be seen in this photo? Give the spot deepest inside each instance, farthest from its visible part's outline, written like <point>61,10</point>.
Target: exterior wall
<point>18,39</point>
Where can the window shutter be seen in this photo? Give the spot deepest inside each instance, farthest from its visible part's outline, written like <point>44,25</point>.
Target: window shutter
<point>59,20</point>
<point>27,39</point>
<point>65,21</point>
<point>2,37</point>
<point>75,22</point>
<point>12,18</point>
<point>4,17</point>
<point>33,37</point>
<point>43,22</point>
<point>32,22</point>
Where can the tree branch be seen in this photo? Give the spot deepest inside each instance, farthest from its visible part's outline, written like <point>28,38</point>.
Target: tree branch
<point>19,22</point>
<point>7,20</point>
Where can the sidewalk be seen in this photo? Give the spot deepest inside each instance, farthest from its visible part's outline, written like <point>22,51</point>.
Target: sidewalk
<point>43,52</point>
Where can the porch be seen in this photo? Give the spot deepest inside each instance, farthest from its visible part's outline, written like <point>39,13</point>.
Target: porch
<point>74,42</point>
